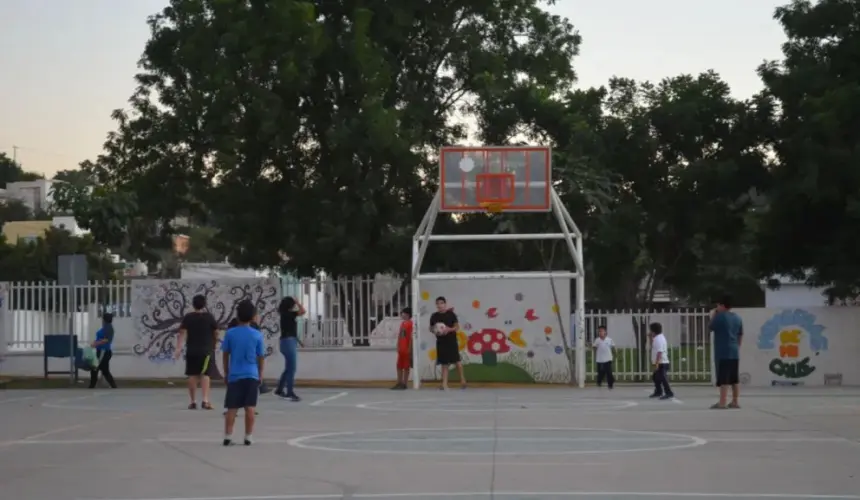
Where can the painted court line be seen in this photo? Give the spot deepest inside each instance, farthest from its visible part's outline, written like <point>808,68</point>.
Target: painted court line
<point>63,429</point>
<point>285,440</point>
<point>330,398</point>
<point>495,494</point>
<point>15,400</point>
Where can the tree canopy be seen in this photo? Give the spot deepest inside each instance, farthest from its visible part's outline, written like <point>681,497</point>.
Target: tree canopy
<point>303,134</point>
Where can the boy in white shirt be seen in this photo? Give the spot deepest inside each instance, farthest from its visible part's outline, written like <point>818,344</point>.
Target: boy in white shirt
<point>603,347</point>
<point>660,360</point>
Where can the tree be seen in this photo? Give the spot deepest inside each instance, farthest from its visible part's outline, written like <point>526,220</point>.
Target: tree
<point>14,210</point>
<point>11,171</point>
<point>306,129</point>
<point>77,177</point>
<point>811,226</point>
<point>37,261</point>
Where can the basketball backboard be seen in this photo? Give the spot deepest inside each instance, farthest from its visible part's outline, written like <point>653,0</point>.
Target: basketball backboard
<point>507,178</point>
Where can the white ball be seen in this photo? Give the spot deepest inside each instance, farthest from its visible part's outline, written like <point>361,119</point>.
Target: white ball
<point>440,328</point>
<point>466,164</point>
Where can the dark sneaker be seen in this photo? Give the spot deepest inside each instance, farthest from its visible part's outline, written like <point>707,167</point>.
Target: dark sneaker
<point>279,393</point>
<point>247,442</point>
<point>206,405</point>
<point>293,398</point>
<point>656,395</point>
<point>667,396</point>
<point>192,406</point>
<point>227,442</point>
<point>734,406</point>
<point>717,406</point>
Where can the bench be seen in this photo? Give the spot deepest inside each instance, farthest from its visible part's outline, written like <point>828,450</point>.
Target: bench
<point>63,347</point>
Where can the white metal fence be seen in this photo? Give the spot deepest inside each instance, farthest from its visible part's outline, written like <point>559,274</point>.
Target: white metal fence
<point>342,313</point>
<point>686,331</point>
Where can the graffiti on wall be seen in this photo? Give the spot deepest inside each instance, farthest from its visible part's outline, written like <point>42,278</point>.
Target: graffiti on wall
<point>510,330</point>
<point>795,338</point>
<point>158,307</point>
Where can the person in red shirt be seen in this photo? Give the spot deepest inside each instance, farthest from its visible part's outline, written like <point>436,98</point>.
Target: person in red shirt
<point>404,349</point>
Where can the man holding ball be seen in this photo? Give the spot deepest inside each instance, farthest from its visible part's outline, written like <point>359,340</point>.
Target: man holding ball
<point>443,324</point>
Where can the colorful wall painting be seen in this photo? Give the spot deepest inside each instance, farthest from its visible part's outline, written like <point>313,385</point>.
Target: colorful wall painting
<point>794,339</point>
<point>510,329</point>
<point>158,307</point>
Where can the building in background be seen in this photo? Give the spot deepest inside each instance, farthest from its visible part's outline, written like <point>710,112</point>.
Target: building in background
<point>25,231</point>
<point>36,195</point>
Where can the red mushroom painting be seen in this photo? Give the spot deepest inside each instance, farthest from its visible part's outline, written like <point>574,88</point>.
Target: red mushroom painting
<point>489,343</point>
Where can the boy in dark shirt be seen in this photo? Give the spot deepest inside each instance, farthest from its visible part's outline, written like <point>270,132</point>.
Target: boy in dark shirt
<point>199,333</point>
<point>244,353</point>
<point>444,324</point>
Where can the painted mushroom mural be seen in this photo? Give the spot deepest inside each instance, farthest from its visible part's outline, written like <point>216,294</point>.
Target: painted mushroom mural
<point>488,343</point>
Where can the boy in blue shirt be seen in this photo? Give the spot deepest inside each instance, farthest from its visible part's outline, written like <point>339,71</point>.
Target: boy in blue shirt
<point>244,356</point>
<point>728,331</point>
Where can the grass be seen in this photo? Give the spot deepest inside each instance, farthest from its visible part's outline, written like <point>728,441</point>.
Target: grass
<point>688,364</point>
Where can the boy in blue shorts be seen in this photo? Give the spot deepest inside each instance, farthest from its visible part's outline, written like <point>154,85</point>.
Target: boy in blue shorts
<point>244,353</point>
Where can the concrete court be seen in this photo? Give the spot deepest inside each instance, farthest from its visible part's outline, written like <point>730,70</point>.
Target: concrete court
<point>540,444</point>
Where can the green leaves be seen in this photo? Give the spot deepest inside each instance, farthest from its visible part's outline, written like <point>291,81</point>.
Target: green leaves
<point>811,226</point>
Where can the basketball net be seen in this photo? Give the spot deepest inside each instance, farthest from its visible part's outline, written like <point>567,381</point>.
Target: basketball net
<point>493,207</point>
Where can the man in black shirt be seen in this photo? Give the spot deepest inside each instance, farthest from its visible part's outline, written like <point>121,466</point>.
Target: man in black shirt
<point>443,324</point>
<point>199,333</point>
<point>289,309</point>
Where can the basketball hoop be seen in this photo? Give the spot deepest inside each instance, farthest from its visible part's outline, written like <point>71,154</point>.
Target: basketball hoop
<point>493,207</point>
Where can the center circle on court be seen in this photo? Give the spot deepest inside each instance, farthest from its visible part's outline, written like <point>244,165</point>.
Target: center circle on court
<point>498,441</point>
<point>500,404</point>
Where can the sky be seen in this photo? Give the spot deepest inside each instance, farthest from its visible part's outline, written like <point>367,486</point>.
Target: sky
<point>67,64</point>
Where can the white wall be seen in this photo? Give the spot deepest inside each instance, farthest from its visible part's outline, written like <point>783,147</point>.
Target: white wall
<point>794,295</point>
<point>520,314</point>
<point>779,341</point>
<point>349,364</point>
<point>69,223</point>
<point>34,194</point>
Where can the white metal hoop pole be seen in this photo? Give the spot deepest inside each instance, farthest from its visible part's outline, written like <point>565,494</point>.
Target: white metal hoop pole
<point>418,252</point>
<point>416,320</point>
<point>580,322</point>
<point>422,251</point>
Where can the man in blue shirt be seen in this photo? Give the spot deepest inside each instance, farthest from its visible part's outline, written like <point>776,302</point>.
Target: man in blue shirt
<point>104,351</point>
<point>244,356</point>
<point>728,331</point>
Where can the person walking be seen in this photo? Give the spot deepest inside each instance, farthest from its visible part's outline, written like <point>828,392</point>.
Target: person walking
<point>290,310</point>
<point>104,352</point>
<point>728,331</point>
<point>660,362</point>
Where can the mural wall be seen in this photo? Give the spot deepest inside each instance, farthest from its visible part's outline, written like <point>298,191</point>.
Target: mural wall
<point>796,347</point>
<point>510,329</point>
<point>158,306</point>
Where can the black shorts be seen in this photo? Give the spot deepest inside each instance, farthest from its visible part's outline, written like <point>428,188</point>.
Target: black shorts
<point>447,350</point>
<point>197,364</point>
<point>728,372</point>
<point>242,393</point>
